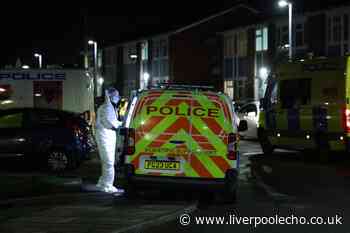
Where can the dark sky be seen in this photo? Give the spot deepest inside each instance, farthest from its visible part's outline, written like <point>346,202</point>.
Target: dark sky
<point>56,29</point>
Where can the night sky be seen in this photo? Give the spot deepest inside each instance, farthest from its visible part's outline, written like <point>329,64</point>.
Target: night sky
<point>57,30</point>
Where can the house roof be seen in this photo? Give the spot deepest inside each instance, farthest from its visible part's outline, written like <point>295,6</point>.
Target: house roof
<point>174,29</point>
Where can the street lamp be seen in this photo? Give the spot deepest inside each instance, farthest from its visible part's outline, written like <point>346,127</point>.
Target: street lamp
<point>282,4</point>
<point>91,42</point>
<point>39,56</point>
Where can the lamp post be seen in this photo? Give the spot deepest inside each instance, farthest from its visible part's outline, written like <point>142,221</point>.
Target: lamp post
<point>39,56</point>
<point>91,42</point>
<point>282,4</point>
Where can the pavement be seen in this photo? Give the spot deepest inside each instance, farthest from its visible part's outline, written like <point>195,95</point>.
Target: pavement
<point>68,203</point>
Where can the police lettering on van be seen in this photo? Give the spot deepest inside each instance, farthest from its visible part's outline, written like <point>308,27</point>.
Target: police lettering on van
<point>169,110</point>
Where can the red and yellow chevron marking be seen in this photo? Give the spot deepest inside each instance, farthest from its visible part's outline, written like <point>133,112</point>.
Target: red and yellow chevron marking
<point>207,157</point>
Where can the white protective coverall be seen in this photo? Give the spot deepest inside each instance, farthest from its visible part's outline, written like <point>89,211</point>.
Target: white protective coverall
<point>106,136</point>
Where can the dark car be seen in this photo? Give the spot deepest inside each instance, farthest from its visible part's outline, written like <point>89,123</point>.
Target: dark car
<point>57,139</point>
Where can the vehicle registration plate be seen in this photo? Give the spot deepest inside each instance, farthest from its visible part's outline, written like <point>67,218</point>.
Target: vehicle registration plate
<point>162,165</point>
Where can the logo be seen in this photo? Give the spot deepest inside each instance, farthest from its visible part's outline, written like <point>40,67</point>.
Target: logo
<point>197,111</point>
<point>33,76</point>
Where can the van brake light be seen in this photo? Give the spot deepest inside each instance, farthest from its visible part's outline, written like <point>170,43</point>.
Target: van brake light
<point>347,120</point>
<point>130,141</point>
<point>232,147</point>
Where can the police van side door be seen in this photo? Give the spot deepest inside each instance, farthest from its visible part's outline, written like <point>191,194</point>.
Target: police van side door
<point>294,114</point>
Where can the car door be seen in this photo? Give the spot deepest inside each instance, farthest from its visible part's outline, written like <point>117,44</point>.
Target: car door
<point>13,137</point>
<point>249,113</point>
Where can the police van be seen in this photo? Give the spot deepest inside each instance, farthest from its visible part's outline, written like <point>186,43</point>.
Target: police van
<point>307,106</point>
<point>178,135</point>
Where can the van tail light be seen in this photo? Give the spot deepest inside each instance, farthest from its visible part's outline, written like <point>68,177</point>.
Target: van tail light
<point>129,147</point>
<point>232,147</point>
<point>346,120</point>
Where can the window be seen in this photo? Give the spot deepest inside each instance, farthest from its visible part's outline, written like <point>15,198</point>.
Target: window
<point>241,89</point>
<point>338,34</point>
<point>284,35</point>
<point>155,68</point>
<point>261,39</point>
<point>144,53</point>
<point>295,93</point>
<point>228,67</point>
<point>242,43</point>
<point>229,46</point>
<point>336,30</point>
<point>346,27</point>
<point>163,48</point>
<point>299,35</point>
<point>155,49</point>
<point>164,67</point>
<point>243,68</point>
<point>229,88</point>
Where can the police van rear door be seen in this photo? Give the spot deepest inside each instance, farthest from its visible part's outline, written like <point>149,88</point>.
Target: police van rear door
<point>162,123</point>
<point>183,134</point>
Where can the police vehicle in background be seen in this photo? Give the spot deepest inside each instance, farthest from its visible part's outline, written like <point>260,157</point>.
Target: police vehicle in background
<point>307,107</point>
<point>61,89</point>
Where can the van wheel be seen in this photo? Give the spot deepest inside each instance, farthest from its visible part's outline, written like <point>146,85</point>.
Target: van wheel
<point>322,148</point>
<point>266,145</point>
<point>230,196</point>
<point>230,192</point>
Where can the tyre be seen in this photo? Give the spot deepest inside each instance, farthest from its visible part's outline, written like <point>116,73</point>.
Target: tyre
<point>230,192</point>
<point>230,196</point>
<point>323,148</point>
<point>266,145</point>
<point>59,160</point>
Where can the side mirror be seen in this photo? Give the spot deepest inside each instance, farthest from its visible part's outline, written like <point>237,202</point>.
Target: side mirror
<point>243,126</point>
<point>251,114</point>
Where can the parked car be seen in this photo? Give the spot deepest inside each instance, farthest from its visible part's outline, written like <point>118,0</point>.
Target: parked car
<point>250,113</point>
<point>55,138</point>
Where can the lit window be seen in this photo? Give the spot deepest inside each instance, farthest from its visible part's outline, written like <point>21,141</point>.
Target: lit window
<point>144,51</point>
<point>261,39</point>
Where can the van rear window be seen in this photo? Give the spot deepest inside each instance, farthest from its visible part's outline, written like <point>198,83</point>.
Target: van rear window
<point>182,105</point>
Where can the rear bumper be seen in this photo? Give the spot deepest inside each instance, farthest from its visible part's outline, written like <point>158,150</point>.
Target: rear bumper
<point>128,177</point>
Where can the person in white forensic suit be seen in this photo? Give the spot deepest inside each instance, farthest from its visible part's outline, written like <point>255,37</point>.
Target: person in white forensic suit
<point>107,125</point>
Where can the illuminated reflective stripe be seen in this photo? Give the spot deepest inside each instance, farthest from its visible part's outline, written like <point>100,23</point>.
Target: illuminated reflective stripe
<point>221,163</point>
<point>180,123</point>
<point>201,170</point>
<point>148,126</point>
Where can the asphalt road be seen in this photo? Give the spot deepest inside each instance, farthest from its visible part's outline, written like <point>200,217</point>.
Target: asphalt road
<point>283,185</point>
<point>283,193</point>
